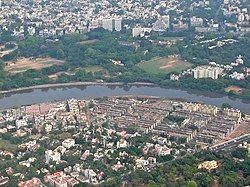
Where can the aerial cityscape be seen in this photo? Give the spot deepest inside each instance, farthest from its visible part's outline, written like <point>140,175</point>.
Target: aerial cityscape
<point>112,93</point>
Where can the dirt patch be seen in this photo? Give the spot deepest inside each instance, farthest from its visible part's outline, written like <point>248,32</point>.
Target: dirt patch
<point>242,129</point>
<point>85,42</point>
<point>169,65</point>
<point>234,89</point>
<point>56,75</point>
<point>24,64</point>
<point>164,65</point>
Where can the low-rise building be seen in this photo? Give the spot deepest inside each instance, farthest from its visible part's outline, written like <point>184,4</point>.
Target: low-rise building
<point>68,143</point>
<point>209,165</point>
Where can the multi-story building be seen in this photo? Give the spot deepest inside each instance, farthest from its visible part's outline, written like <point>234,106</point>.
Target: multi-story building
<point>207,72</point>
<point>34,182</point>
<point>68,143</point>
<point>54,156</point>
<point>139,31</point>
<point>196,22</point>
<point>118,24</point>
<point>107,23</point>
<point>162,24</point>
<point>112,24</point>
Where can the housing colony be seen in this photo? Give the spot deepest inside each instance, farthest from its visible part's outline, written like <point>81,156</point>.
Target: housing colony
<point>211,123</point>
<point>201,122</point>
<point>166,121</point>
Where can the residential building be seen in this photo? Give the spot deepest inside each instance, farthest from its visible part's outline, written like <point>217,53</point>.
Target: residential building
<point>207,72</point>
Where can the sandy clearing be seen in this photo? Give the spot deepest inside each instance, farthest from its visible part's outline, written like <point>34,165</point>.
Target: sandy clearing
<point>24,64</point>
<point>169,65</point>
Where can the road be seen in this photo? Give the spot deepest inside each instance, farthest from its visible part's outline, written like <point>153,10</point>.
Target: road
<point>231,143</point>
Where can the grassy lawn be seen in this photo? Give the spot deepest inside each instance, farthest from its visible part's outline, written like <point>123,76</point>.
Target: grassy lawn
<point>24,64</point>
<point>170,38</point>
<point>88,42</point>
<point>246,94</point>
<point>94,69</point>
<point>6,145</point>
<point>164,65</point>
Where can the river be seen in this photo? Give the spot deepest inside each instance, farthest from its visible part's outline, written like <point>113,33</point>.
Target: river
<point>10,100</point>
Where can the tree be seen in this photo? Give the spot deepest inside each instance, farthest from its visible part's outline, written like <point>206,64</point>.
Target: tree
<point>240,153</point>
<point>192,184</point>
<point>226,105</point>
<point>204,180</point>
<point>229,180</point>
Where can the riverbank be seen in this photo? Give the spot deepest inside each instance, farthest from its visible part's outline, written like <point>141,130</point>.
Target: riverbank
<point>44,86</point>
<point>60,92</point>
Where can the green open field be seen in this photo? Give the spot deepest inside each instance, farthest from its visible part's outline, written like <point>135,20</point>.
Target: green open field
<point>94,69</point>
<point>170,38</point>
<point>164,65</point>
<point>6,145</point>
<point>23,64</point>
<point>88,42</point>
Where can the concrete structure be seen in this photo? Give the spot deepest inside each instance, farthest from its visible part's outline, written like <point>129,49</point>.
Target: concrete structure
<point>196,22</point>
<point>68,143</point>
<point>34,182</point>
<point>50,155</point>
<point>162,24</point>
<point>139,31</point>
<point>107,24</point>
<point>174,77</point>
<point>118,24</point>
<point>21,123</point>
<point>209,165</point>
<point>112,24</point>
<point>207,72</point>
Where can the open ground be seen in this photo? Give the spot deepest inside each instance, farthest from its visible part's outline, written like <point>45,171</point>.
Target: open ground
<point>164,65</point>
<point>24,64</point>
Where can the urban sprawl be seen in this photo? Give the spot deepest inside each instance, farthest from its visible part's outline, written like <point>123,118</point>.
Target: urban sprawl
<point>94,141</point>
<point>58,17</point>
<point>85,141</point>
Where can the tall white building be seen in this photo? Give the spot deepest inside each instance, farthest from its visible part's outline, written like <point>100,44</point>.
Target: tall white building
<point>118,24</point>
<point>139,31</point>
<point>107,23</point>
<point>207,72</point>
<point>162,24</point>
<point>68,143</point>
<point>196,22</point>
<point>50,155</point>
<point>112,24</point>
<point>241,17</point>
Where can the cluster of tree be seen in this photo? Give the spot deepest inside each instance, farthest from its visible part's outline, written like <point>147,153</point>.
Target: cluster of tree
<point>184,172</point>
<point>99,46</point>
<point>226,54</point>
<point>176,119</point>
<point>79,53</point>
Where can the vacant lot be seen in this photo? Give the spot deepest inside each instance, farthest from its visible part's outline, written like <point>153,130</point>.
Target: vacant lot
<point>170,38</point>
<point>88,42</point>
<point>242,129</point>
<point>94,69</point>
<point>6,145</point>
<point>24,64</point>
<point>164,65</point>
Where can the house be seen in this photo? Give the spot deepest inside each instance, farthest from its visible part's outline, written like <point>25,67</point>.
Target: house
<point>34,182</point>
<point>209,165</point>
<point>91,175</point>
<point>68,143</point>
<point>122,144</point>
<point>3,180</point>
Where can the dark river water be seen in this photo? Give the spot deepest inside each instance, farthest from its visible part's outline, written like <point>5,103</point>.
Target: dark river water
<point>95,91</point>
